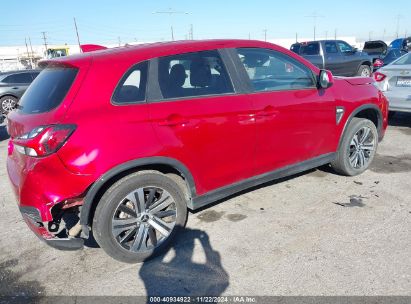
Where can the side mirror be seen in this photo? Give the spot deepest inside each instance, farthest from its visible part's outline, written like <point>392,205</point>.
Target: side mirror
<point>325,79</point>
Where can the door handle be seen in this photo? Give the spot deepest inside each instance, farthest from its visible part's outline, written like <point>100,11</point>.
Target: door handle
<point>267,111</point>
<point>173,120</point>
<point>15,88</point>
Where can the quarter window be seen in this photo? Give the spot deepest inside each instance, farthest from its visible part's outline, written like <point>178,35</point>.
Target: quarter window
<point>132,87</point>
<point>269,70</point>
<point>193,74</point>
<point>331,47</point>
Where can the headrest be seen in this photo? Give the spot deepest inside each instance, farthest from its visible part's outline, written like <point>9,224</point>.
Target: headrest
<point>200,74</point>
<point>128,93</point>
<point>177,75</point>
<point>253,60</point>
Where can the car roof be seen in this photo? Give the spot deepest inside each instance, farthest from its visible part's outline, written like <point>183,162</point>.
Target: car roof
<point>157,49</point>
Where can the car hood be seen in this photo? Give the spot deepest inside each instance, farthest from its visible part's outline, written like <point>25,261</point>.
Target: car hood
<point>357,80</point>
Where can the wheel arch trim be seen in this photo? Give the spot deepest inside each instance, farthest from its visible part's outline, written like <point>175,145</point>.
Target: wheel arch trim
<point>106,177</point>
<point>358,110</point>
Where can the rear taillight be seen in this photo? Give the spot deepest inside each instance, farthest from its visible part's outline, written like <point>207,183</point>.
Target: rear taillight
<point>378,77</point>
<point>378,63</point>
<point>43,141</point>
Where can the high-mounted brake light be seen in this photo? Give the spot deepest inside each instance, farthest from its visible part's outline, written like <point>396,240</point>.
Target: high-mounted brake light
<point>378,63</point>
<point>379,76</point>
<point>44,140</point>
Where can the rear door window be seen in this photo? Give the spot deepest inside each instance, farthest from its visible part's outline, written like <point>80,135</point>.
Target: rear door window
<point>193,74</point>
<point>132,87</point>
<point>311,48</point>
<point>331,47</point>
<point>48,90</point>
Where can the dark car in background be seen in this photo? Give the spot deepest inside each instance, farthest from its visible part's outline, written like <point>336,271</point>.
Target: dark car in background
<point>381,53</point>
<point>335,55</point>
<point>401,44</point>
<point>12,86</point>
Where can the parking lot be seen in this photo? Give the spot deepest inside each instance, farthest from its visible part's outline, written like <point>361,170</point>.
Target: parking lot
<point>312,234</point>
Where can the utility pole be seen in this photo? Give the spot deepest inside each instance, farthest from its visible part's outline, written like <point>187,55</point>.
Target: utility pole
<point>399,17</point>
<point>315,16</point>
<point>78,38</point>
<point>335,34</point>
<point>170,12</point>
<point>249,36</point>
<point>45,41</point>
<point>191,32</point>
<point>326,35</point>
<point>32,53</point>
<point>119,41</point>
<point>265,34</point>
<point>28,55</point>
<point>296,37</point>
<point>383,35</point>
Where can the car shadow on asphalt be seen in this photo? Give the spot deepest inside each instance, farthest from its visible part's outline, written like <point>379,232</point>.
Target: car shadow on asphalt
<point>3,133</point>
<point>400,120</point>
<point>180,275</point>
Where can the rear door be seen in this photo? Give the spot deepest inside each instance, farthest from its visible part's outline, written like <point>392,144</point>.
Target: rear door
<point>313,53</point>
<point>201,117</point>
<point>295,121</point>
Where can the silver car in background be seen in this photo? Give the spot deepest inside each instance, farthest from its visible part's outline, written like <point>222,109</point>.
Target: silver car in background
<point>395,81</point>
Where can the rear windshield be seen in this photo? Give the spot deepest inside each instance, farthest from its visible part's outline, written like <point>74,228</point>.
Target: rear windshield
<point>48,90</point>
<point>312,48</point>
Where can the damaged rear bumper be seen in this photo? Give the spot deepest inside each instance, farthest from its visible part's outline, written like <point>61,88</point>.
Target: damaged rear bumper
<point>33,219</point>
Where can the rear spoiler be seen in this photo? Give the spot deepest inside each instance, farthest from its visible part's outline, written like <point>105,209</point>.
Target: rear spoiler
<point>85,48</point>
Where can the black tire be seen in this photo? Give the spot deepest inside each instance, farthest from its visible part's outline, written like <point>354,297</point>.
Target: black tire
<point>364,71</point>
<point>107,208</point>
<point>347,150</point>
<point>8,103</point>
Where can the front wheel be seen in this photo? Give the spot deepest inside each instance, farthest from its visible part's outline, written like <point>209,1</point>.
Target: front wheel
<point>357,148</point>
<point>138,217</point>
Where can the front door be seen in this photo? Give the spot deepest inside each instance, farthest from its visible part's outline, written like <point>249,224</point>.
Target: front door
<point>295,121</point>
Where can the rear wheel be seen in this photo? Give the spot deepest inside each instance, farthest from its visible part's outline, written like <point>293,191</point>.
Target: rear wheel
<point>8,104</point>
<point>357,148</point>
<point>364,71</point>
<point>138,217</point>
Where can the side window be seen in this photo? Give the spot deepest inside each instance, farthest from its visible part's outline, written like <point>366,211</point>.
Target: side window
<point>312,48</point>
<point>18,78</point>
<point>269,70</point>
<point>193,74</point>
<point>132,87</point>
<point>344,47</point>
<point>331,47</point>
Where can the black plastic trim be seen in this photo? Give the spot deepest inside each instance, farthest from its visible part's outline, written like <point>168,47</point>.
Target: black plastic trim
<point>158,160</point>
<point>213,196</point>
<point>358,110</point>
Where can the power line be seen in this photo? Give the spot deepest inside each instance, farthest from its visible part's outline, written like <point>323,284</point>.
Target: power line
<point>170,12</point>
<point>315,16</point>
<point>45,41</point>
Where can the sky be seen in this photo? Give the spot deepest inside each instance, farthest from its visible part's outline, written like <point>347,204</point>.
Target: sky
<point>122,21</point>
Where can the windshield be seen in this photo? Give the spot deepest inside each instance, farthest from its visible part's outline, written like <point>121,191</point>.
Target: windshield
<point>48,90</point>
<point>406,59</point>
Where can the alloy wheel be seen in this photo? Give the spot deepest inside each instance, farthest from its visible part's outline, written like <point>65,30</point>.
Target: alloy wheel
<point>361,147</point>
<point>144,219</point>
<point>365,73</point>
<point>8,105</point>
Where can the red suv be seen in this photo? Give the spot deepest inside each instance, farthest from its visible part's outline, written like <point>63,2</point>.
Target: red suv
<point>121,142</point>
